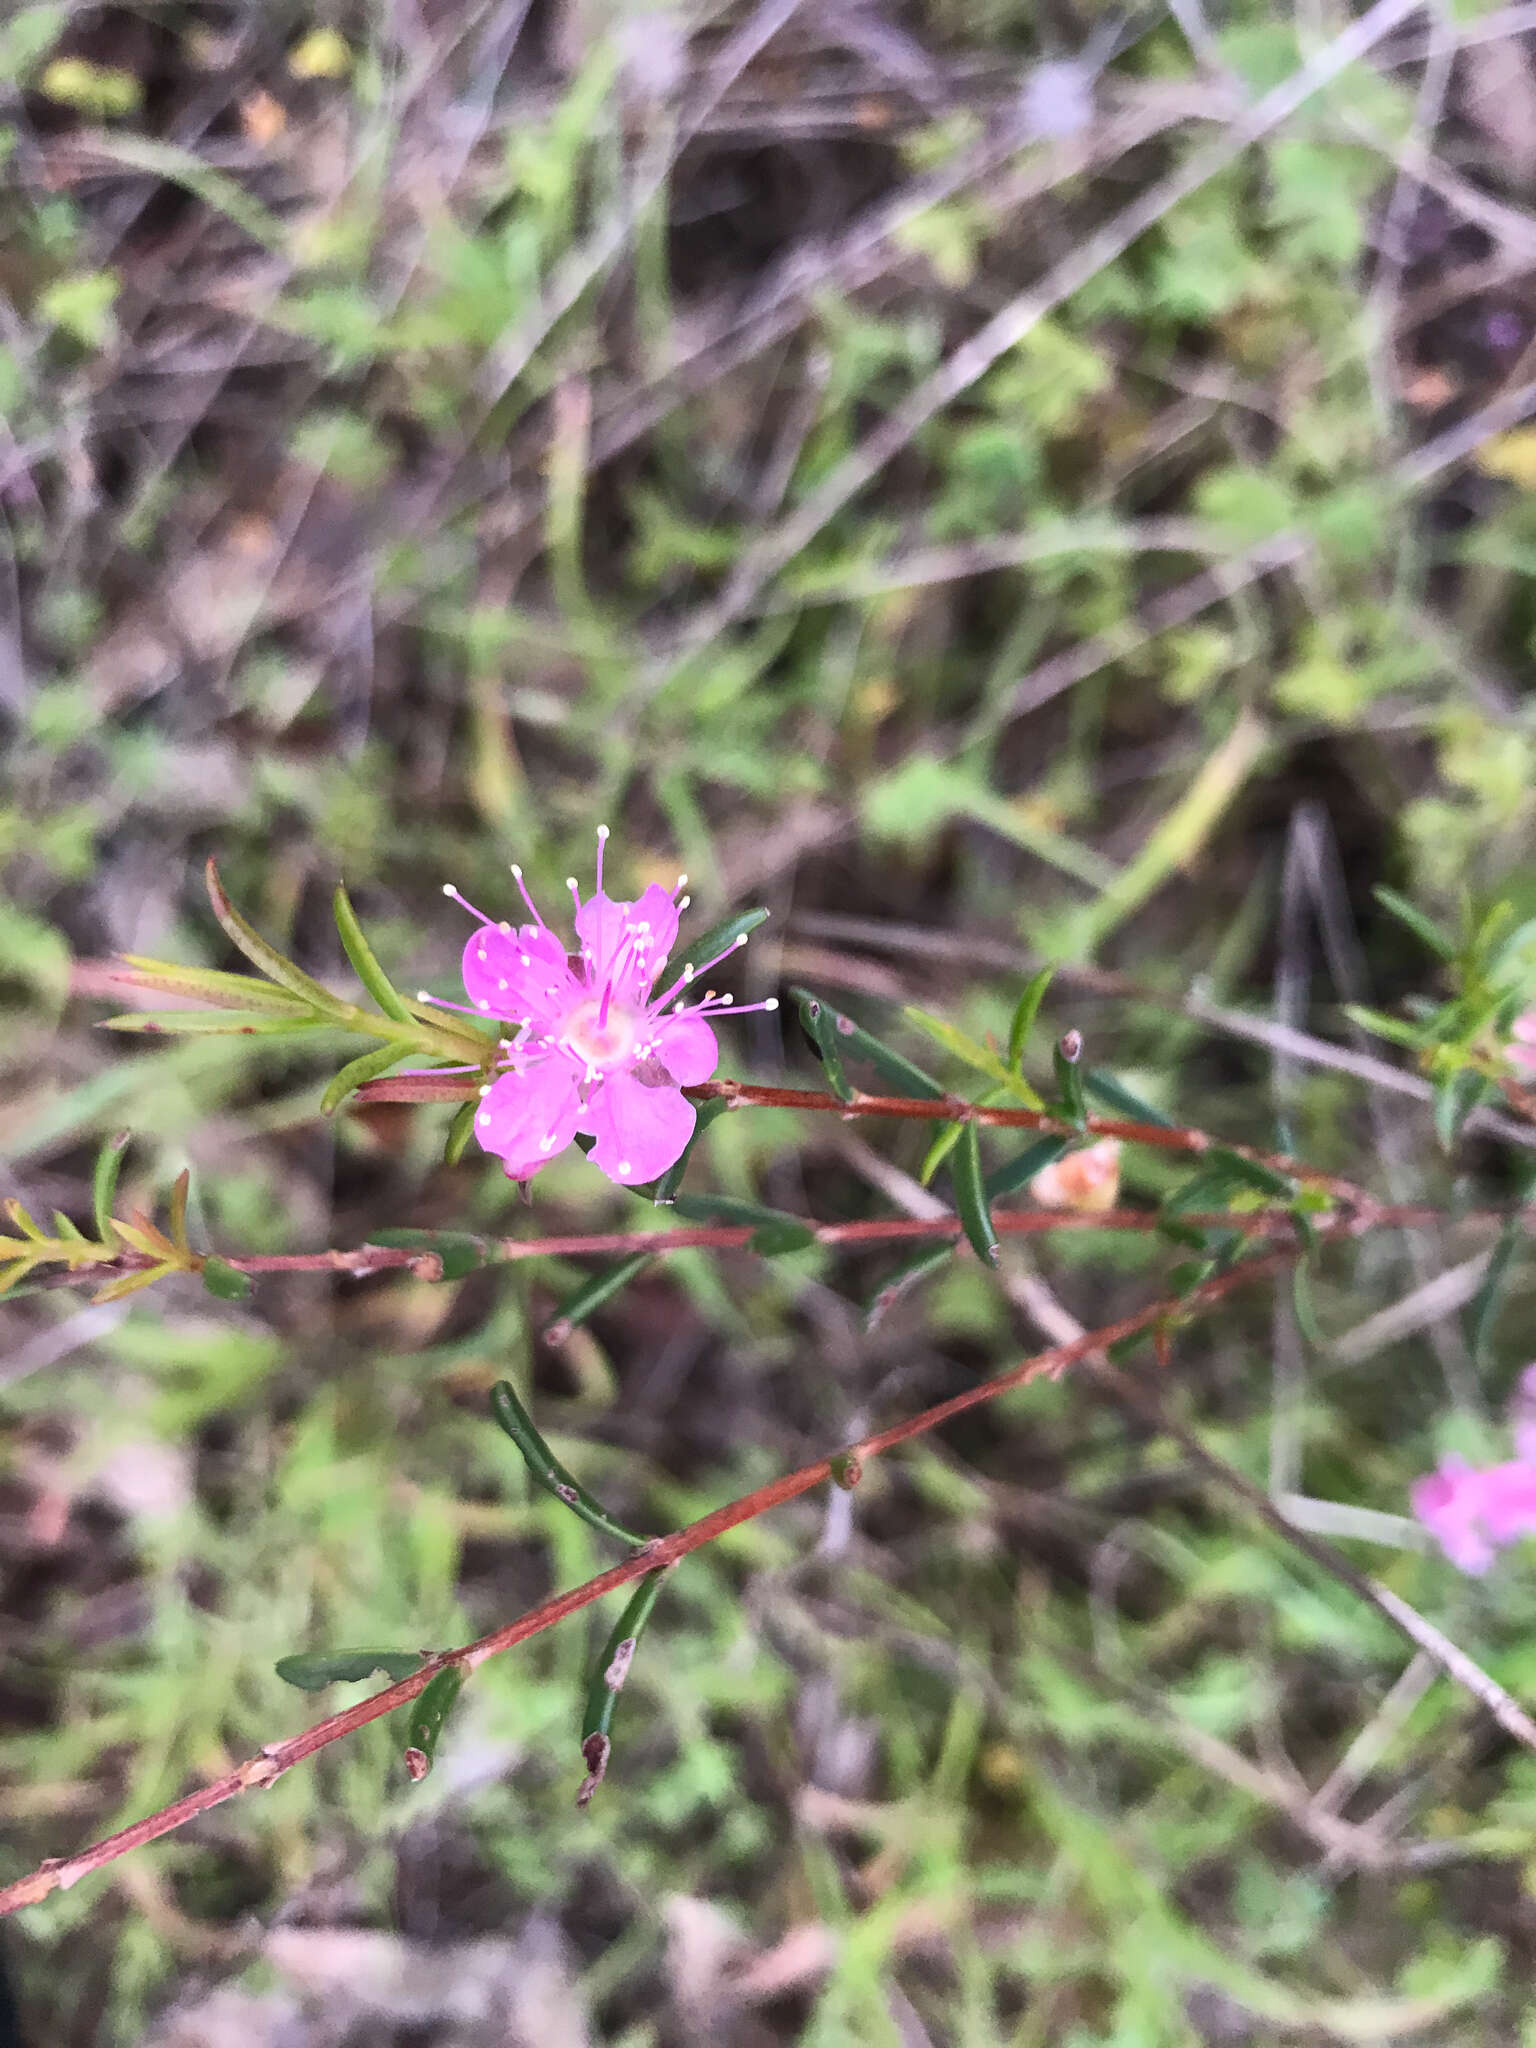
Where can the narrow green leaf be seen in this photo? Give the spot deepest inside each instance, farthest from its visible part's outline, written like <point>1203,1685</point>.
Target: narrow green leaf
<point>1033,1159</point>
<point>590,1297</point>
<point>730,1209</point>
<point>664,1191</point>
<point>460,1251</point>
<point>817,1020</point>
<point>1116,1097</point>
<point>225,1283</point>
<point>1421,926</point>
<point>10,1275</point>
<point>1066,1058</point>
<point>24,1222</point>
<point>66,1231</point>
<point>981,1057</point>
<point>212,1023</point>
<point>1025,1011</point>
<point>1251,1173</point>
<point>1456,1096</point>
<point>131,1283</point>
<point>723,938</point>
<point>361,954</point>
<point>276,966</point>
<point>209,985</point>
<point>1394,1028</point>
<point>109,1164</point>
<point>608,1676</point>
<point>909,1274</point>
<point>181,1188</point>
<point>429,1711</point>
<point>313,1670</point>
<point>944,1142</point>
<point>547,1470</point>
<point>1305,1309</point>
<point>854,1042</point>
<point>971,1196</point>
<point>460,1131</point>
<point>368,1066</point>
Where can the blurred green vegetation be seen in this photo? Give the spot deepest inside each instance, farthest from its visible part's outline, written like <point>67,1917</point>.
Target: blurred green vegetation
<point>386,394</point>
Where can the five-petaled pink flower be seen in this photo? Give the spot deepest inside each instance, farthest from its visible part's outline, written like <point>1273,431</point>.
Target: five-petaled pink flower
<point>1472,1511</point>
<point>591,1045</point>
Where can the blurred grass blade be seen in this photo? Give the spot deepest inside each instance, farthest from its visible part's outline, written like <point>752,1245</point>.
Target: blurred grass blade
<point>902,1074</point>
<point>547,1469</point>
<point>368,1066</point>
<point>366,966</point>
<point>588,1299</point>
<point>1025,1011</point>
<point>313,1670</point>
<point>429,1712</point>
<point>109,1164</point>
<point>1483,1309</point>
<point>818,1021</point>
<point>181,1187</point>
<point>909,1274</point>
<point>608,1676</point>
<point>1252,1173</point>
<point>276,966</point>
<point>971,1196</point>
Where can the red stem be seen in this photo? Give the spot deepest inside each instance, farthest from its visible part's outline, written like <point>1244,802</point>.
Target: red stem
<point>269,1764</point>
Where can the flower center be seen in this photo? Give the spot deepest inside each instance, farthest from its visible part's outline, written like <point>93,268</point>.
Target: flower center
<point>596,1039</point>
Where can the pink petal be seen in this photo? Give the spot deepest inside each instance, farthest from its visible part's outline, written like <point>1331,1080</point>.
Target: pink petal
<point>640,1129</point>
<point>512,974</point>
<point>1524,1027</point>
<point>526,1118</point>
<point>629,938</point>
<point>686,1047</point>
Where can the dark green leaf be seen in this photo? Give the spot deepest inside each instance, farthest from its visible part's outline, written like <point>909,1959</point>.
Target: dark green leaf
<point>971,1196</point>
<point>109,1164</point>
<point>368,1066</point>
<point>1306,1312</point>
<point>1393,1028</point>
<point>430,1709</point>
<point>723,938</point>
<point>1024,1013</point>
<point>608,1676</point>
<point>817,1019</point>
<point>225,1283</point>
<point>547,1470</point>
<point>1032,1160</point>
<point>1421,926</point>
<point>312,1670</point>
<point>788,1234</point>
<point>909,1274</point>
<point>1115,1096</point>
<point>854,1042</point>
<point>589,1297</point>
<point>361,954</point>
<point>1245,1172</point>
<point>729,1209</point>
<point>664,1191</point>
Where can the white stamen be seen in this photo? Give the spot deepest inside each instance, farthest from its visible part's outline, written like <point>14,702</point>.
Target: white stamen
<point>570,881</point>
<point>546,1144</point>
<point>484,1003</point>
<point>484,1117</point>
<point>683,902</point>
<point>517,872</point>
<point>423,995</point>
<point>505,929</point>
<point>688,972</point>
<point>501,984</point>
<point>625,1167</point>
<point>448,889</point>
<point>772,1003</point>
<point>602,831</point>
<point>486,1089</point>
<point>740,939</point>
<point>525,959</point>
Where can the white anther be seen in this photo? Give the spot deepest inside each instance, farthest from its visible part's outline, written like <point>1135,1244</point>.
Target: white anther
<point>483,1118</point>
<point>546,1144</point>
<point>570,881</point>
<point>772,1003</point>
<point>486,1088</point>
<point>484,1003</point>
<point>448,889</point>
<point>625,1167</point>
<point>683,902</point>
<point>602,831</point>
<point>423,995</point>
<point>681,882</point>
<point>525,960</point>
<point>517,871</point>
<point>505,929</point>
<point>501,984</point>
<point>688,972</point>
<point>740,939</point>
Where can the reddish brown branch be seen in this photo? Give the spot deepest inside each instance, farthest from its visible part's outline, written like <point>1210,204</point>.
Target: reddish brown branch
<point>58,1873</point>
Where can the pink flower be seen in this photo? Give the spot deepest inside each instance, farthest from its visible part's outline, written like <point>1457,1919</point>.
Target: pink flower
<point>592,1046</point>
<point>1472,1512</point>
<point>1522,1049</point>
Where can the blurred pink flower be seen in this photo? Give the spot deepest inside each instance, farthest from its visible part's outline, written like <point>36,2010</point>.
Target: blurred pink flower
<point>592,1046</point>
<point>1522,1036</point>
<point>1474,1511</point>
